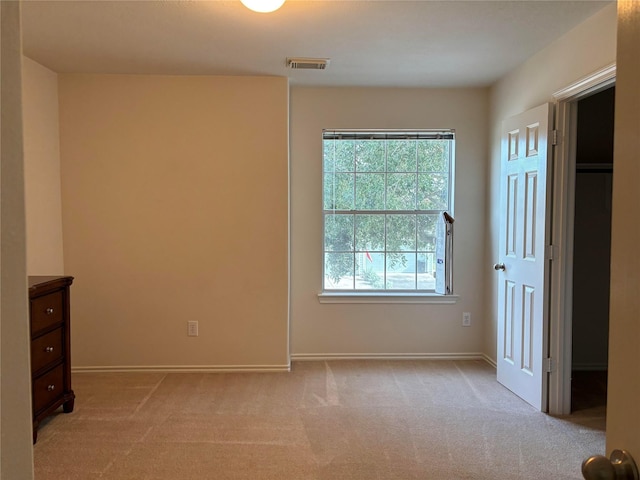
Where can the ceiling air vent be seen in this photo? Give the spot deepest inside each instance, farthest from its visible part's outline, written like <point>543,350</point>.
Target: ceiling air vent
<point>308,63</point>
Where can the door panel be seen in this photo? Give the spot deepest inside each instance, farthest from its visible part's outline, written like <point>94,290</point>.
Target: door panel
<point>524,230</point>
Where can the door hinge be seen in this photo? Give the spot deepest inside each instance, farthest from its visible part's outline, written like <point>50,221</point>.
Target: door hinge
<point>550,252</point>
<point>549,364</point>
<point>554,137</point>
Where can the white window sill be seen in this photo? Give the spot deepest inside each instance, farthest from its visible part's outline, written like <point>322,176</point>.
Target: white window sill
<point>348,297</point>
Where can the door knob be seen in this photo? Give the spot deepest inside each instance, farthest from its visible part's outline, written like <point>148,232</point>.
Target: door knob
<point>499,266</point>
<point>619,467</point>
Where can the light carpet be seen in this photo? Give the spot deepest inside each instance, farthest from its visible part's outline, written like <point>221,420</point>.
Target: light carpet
<point>351,420</point>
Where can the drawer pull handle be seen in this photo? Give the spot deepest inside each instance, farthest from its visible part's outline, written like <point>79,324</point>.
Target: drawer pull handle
<point>51,388</point>
<point>48,349</point>
<point>49,311</point>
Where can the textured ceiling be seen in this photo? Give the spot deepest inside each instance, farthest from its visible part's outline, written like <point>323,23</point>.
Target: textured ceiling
<point>420,43</point>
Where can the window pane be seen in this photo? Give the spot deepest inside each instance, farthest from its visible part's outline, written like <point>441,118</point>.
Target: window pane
<point>369,271</point>
<point>338,271</point>
<point>426,271</point>
<point>433,191</point>
<point>401,232</point>
<point>328,193</point>
<point>369,191</point>
<point>328,155</point>
<point>427,232</point>
<point>433,155</point>
<point>369,233</point>
<point>401,155</point>
<point>338,233</point>
<point>338,190</point>
<point>401,191</point>
<point>345,156</point>
<point>401,271</point>
<point>370,155</point>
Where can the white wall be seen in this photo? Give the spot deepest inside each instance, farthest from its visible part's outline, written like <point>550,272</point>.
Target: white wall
<point>377,329</point>
<point>42,169</point>
<point>16,451</point>
<point>623,414</point>
<point>174,201</point>
<point>587,48</point>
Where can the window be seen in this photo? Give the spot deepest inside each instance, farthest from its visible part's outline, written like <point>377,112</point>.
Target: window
<point>383,196</point>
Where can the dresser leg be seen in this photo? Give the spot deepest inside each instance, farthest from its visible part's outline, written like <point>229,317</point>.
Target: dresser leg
<point>67,407</point>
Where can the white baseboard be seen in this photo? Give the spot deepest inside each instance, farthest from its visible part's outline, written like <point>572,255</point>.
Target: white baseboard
<point>489,360</point>
<point>299,357</point>
<point>181,368</point>
<point>386,356</point>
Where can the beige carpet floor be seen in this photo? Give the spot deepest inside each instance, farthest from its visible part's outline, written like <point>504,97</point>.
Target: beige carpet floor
<point>338,420</point>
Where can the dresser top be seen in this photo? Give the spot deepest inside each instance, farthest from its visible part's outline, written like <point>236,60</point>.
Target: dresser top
<point>42,281</point>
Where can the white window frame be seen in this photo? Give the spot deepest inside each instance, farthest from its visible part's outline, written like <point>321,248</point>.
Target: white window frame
<point>389,295</point>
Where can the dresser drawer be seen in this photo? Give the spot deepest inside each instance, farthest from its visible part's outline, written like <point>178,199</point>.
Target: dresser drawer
<point>46,349</point>
<point>46,311</point>
<point>47,388</point>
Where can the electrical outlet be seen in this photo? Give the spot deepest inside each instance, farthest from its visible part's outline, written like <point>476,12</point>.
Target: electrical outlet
<point>466,319</point>
<point>192,328</point>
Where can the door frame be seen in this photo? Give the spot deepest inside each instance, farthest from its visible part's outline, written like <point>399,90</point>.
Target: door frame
<point>562,231</point>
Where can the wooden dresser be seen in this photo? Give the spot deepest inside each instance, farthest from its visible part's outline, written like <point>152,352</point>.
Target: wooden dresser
<point>50,347</point>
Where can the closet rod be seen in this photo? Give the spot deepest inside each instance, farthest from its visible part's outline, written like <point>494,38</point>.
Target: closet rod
<point>594,167</point>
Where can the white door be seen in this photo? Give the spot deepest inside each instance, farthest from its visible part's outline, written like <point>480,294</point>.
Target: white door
<point>522,267</point>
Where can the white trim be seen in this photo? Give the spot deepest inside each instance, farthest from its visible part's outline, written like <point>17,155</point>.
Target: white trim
<point>300,357</point>
<point>561,293</point>
<point>489,360</point>
<point>388,356</point>
<point>387,297</point>
<point>585,86</point>
<point>181,368</point>
<point>560,313</point>
<point>289,230</point>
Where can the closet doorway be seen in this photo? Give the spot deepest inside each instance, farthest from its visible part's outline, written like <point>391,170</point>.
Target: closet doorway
<point>591,250</point>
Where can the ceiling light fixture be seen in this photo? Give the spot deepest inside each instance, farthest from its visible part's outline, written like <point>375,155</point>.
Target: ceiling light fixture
<point>263,6</point>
